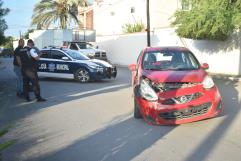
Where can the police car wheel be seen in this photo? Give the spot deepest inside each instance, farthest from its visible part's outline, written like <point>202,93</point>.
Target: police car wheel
<point>82,75</point>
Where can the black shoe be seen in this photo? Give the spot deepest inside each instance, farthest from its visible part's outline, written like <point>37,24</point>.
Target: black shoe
<point>28,99</point>
<point>41,99</point>
<point>19,94</point>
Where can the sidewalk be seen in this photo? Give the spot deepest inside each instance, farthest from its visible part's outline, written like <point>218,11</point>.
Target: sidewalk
<point>226,77</point>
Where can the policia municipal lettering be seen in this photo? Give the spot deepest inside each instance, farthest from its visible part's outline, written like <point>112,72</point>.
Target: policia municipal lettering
<point>28,62</point>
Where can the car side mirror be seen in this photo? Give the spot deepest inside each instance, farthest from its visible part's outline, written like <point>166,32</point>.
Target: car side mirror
<point>132,67</point>
<point>65,58</point>
<point>97,47</point>
<point>205,66</point>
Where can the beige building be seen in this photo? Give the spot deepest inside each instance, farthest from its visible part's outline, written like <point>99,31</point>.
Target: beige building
<point>107,17</point>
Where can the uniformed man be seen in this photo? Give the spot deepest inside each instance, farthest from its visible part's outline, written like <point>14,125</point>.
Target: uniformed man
<point>28,61</point>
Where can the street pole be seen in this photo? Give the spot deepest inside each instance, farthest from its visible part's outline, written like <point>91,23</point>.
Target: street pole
<point>148,23</point>
<point>20,34</point>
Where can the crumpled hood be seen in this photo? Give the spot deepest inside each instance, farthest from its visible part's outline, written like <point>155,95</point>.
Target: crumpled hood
<point>193,76</point>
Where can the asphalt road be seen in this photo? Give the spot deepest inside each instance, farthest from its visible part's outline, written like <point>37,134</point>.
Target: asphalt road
<point>93,122</point>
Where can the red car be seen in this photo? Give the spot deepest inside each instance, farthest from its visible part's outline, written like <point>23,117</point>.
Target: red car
<point>172,87</point>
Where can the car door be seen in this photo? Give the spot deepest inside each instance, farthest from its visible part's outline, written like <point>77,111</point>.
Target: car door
<point>44,61</point>
<point>58,64</point>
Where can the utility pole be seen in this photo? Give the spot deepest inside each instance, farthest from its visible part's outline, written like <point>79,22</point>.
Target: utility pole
<point>20,34</point>
<point>148,23</point>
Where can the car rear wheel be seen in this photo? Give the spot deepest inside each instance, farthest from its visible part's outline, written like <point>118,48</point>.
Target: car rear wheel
<point>137,113</point>
<point>82,75</point>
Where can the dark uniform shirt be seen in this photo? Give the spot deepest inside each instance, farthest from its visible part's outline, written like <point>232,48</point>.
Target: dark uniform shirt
<point>26,59</point>
<point>16,53</point>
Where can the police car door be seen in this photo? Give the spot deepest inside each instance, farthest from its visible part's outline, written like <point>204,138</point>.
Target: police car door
<point>60,64</point>
<point>43,62</point>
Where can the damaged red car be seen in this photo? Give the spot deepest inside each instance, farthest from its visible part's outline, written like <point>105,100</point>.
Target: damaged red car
<point>171,87</point>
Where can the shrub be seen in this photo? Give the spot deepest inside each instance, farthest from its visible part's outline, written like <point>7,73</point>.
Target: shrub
<point>131,28</point>
<point>208,19</point>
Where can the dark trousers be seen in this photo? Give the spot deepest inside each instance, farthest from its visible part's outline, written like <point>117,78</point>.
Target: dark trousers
<point>30,75</point>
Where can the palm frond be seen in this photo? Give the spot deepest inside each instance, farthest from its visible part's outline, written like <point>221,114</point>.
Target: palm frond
<point>48,12</point>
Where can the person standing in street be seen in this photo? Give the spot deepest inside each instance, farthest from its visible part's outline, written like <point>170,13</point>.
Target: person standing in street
<point>17,68</point>
<point>28,61</point>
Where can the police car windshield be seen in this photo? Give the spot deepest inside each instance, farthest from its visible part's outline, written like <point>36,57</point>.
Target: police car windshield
<point>76,55</point>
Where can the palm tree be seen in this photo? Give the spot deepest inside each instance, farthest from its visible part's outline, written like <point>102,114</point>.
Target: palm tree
<point>48,12</point>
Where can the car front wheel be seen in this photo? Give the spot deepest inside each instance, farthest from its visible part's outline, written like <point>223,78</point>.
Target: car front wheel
<point>82,75</point>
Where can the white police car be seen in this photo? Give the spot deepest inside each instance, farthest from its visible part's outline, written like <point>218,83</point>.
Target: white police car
<point>66,63</point>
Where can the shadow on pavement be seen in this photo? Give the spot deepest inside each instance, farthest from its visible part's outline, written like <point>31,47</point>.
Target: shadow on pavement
<point>232,108</point>
<point>54,90</point>
<point>124,139</point>
<point>121,141</point>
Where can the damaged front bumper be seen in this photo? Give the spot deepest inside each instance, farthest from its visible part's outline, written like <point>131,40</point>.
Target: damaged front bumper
<point>107,72</point>
<point>181,106</point>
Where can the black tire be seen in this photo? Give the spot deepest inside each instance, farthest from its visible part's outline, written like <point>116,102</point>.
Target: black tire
<point>82,75</point>
<point>137,113</point>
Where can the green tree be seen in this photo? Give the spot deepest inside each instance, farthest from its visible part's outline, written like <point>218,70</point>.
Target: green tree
<point>8,44</point>
<point>3,25</point>
<point>48,12</point>
<point>26,35</point>
<point>209,19</point>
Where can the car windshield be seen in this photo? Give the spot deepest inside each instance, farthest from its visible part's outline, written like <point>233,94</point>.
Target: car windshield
<point>169,60</point>
<point>76,55</point>
<point>85,45</point>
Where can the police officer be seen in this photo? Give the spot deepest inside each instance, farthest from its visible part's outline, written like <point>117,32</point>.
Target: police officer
<point>17,68</point>
<point>28,61</point>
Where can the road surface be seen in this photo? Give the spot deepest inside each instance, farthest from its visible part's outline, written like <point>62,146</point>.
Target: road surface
<point>93,122</point>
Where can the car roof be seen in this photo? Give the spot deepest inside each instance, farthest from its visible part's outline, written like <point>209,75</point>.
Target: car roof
<point>60,49</point>
<point>55,48</point>
<point>79,42</point>
<point>166,48</point>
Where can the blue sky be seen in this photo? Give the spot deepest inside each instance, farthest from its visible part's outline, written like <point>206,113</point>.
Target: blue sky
<point>19,17</point>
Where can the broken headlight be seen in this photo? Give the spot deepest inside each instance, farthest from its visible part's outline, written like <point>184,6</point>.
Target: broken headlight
<point>147,92</point>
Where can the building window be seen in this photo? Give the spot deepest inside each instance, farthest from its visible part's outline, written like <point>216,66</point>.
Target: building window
<point>112,13</point>
<point>185,4</point>
<point>132,9</point>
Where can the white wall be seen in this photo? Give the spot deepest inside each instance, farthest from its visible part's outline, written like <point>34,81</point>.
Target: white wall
<point>222,56</point>
<point>54,37</point>
<point>106,23</point>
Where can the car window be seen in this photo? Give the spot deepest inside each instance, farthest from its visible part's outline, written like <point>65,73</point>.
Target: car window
<point>73,47</point>
<point>169,60</point>
<point>46,54</point>
<point>82,45</point>
<point>76,55</point>
<point>57,54</point>
<point>138,60</point>
<point>89,46</point>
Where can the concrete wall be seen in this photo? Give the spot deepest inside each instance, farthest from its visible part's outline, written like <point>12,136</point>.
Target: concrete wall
<point>111,15</point>
<point>222,56</point>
